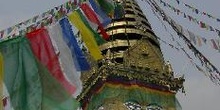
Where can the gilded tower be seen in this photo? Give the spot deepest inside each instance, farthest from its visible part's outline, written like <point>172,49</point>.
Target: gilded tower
<point>133,75</point>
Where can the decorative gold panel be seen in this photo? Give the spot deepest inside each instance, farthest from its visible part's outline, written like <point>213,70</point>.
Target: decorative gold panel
<point>117,43</point>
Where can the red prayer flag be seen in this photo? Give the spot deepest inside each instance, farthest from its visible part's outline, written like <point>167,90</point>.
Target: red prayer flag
<point>43,50</point>
<point>2,34</point>
<point>91,15</point>
<point>202,25</point>
<point>5,101</point>
<point>214,44</point>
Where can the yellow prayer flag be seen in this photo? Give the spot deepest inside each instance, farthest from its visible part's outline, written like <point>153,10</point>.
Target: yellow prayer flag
<point>1,81</point>
<point>87,35</point>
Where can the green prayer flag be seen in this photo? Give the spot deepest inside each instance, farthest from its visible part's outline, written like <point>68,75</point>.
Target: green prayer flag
<point>107,6</point>
<point>21,74</point>
<point>29,83</point>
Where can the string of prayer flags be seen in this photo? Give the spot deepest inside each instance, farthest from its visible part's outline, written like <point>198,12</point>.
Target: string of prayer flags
<point>87,35</point>
<point>195,39</point>
<point>204,61</point>
<point>43,50</point>
<point>79,58</point>
<point>206,73</point>
<point>55,13</point>
<point>90,14</point>
<point>192,19</point>
<point>209,74</point>
<point>214,78</point>
<point>58,12</point>
<point>197,11</point>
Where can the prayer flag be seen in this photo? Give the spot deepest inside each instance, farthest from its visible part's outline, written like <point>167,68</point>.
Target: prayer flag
<point>211,28</point>
<point>192,37</point>
<point>21,75</point>
<point>218,32</point>
<point>190,17</point>
<point>202,25</point>
<point>29,84</point>
<point>54,95</point>
<point>98,38</point>
<point>87,35</point>
<point>214,44</point>
<point>65,56</point>
<point>178,1</point>
<point>199,41</point>
<point>184,15</point>
<point>90,14</point>
<point>43,50</point>
<point>186,33</point>
<point>204,40</point>
<point>79,58</point>
<point>100,12</point>
<point>107,6</point>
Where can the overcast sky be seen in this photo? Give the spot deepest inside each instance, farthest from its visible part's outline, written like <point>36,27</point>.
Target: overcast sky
<point>201,93</point>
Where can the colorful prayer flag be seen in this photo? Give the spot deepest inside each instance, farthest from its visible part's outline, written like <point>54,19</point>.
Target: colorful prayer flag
<point>65,56</point>
<point>199,41</point>
<point>202,25</point>
<point>192,37</point>
<point>21,75</point>
<point>28,83</point>
<point>87,35</point>
<point>79,58</point>
<point>105,19</point>
<point>98,38</point>
<point>43,50</point>
<point>91,15</point>
<point>107,6</point>
<point>204,40</point>
<point>214,44</point>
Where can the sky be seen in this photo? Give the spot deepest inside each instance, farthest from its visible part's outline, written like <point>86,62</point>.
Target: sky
<point>201,93</point>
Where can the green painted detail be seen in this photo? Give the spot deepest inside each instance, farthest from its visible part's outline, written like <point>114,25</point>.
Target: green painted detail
<point>115,96</point>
